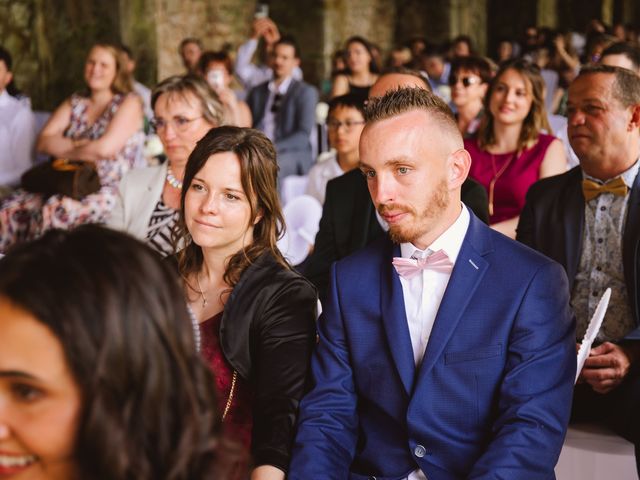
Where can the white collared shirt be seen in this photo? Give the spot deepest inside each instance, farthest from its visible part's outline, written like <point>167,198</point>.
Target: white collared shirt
<point>269,117</point>
<point>17,139</point>
<point>423,293</point>
<point>325,169</point>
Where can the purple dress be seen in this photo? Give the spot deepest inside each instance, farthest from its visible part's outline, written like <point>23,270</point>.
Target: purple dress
<point>515,174</point>
<point>25,216</point>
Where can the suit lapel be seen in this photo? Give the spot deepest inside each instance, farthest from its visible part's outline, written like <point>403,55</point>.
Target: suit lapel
<point>282,114</point>
<point>630,242</point>
<point>573,224</point>
<point>394,319</point>
<point>262,94</point>
<point>467,273</point>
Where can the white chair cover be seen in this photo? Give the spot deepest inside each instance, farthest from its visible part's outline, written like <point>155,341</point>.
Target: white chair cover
<point>302,218</point>
<point>591,452</point>
<point>293,186</point>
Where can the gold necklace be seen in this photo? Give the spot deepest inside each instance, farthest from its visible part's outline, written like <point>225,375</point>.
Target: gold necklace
<point>204,300</point>
<point>496,176</point>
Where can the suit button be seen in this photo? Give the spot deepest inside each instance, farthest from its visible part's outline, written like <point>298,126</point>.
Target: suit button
<point>419,451</point>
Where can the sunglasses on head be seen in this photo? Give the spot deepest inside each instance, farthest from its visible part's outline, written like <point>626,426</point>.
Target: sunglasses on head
<point>466,81</point>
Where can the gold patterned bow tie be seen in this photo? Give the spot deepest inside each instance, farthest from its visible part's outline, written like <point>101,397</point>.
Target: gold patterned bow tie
<point>591,189</point>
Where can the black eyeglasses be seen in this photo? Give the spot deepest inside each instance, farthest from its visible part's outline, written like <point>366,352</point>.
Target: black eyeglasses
<point>466,81</point>
<point>277,100</point>
<point>348,125</point>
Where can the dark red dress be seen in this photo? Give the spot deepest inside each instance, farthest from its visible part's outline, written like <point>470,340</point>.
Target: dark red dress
<point>522,170</point>
<point>238,422</point>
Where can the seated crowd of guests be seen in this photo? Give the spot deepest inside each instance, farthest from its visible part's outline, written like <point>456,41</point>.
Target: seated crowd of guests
<point>203,354</point>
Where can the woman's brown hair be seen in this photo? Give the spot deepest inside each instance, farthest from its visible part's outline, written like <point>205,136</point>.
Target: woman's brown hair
<point>535,121</point>
<point>258,175</point>
<point>148,399</point>
<point>122,83</point>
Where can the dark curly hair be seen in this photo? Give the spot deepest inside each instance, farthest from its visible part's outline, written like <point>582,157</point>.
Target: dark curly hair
<point>148,400</point>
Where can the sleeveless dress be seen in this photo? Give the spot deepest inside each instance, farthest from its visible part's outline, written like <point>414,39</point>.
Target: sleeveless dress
<point>239,420</point>
<point>522,170</point>
<point>25,216</point>
<point>359,91</point>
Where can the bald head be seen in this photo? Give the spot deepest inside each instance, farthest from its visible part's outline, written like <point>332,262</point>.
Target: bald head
<point>397,80</point>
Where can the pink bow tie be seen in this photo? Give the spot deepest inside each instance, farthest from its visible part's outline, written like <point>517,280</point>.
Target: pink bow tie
<point>410,267</point>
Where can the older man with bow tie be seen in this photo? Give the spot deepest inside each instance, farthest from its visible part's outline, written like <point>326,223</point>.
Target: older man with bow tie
<point>588,219</point>
<point>446,349</point>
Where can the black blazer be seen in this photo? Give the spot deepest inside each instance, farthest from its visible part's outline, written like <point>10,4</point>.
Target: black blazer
<point>349,222</point>
<point>267,334</point>
<point>552,222</point>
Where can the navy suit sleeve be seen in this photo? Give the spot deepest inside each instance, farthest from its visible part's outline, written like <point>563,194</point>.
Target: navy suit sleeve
<point>535,396</point>
<point>305,111</point>
<point>327,430</point>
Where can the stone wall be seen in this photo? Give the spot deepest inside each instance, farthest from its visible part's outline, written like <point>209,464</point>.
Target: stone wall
<point>50,38</point>
<point>218,24</point>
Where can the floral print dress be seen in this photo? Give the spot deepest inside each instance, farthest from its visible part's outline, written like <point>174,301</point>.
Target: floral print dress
<point>25,216</point>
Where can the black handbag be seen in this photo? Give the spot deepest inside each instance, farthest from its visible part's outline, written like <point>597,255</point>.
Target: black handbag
<point>72,178</point>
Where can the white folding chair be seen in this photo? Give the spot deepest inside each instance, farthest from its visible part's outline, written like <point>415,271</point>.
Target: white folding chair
<point>302,219</point>
<point>293,186</point>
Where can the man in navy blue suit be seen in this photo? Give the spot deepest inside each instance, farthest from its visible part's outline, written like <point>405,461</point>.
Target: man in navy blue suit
<point>446,349</point>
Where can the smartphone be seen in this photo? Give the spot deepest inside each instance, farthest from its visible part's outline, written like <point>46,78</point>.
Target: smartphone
<point>262,11</point>
<point>215,78</point>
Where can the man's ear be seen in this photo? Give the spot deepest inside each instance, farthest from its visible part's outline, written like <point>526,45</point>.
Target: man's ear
<point>7,80</point>
<point>459,165</point>
<point>297,61</point>
<point>634,123</point>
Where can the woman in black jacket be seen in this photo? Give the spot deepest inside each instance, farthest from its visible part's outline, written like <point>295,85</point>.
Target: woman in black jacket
<point>256,315</point>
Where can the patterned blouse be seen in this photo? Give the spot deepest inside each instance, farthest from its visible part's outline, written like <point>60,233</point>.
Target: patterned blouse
<point>161,223</point>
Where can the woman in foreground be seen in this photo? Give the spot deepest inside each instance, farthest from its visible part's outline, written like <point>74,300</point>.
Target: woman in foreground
<point>99,373</point>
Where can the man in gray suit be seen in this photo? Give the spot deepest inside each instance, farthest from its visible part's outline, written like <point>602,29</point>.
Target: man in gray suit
<point>284,109</point>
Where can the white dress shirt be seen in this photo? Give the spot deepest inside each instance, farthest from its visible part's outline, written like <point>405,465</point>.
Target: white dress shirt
<point>423,293</point>
<point>17,139</point>
<point>325,169</point>
<point>250,74</point>
<point>269,117</point>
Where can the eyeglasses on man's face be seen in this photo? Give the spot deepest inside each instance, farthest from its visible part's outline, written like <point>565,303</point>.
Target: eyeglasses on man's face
<point>466,81</point>
<point>178,123</point>
<point>333,124</point>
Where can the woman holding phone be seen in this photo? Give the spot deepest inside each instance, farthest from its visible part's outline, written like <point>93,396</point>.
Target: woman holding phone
<point>217,69</point>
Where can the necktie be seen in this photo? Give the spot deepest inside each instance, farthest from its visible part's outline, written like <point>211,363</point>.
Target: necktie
<point>410,267</point>
<point>591,189</point>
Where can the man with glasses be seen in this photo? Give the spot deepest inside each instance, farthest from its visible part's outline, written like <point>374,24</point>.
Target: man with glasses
<point>284,109</point>
<point>345,123</point>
